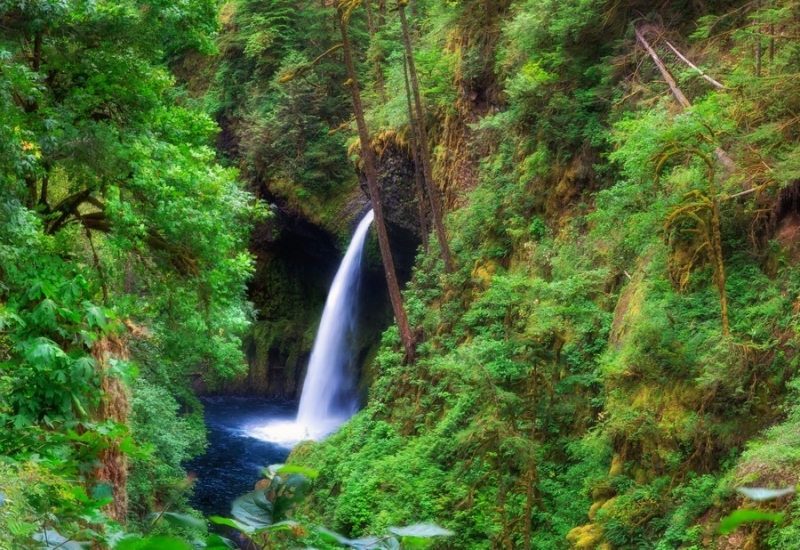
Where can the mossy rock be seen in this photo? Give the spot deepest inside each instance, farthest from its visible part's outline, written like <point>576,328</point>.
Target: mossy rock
<point>587,537</point>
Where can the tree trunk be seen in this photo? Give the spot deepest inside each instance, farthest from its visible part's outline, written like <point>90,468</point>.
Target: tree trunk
<point>423,226</point>
<point>721,155</point>
<point>372,183</point>
<point>716,243</point>
<point>683,58</point>
<point>422,135</point>
<point>113,463</point>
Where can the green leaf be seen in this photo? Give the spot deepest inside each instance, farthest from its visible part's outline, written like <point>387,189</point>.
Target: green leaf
<point>42,351</point>
<point>7,319</point>
<point>231,523</point>
<point>45,313</point>
<point>760,493</point>
<point>280,526</point>
<point>332,536</point>
<point>739,517</point>
<point>289,492</point>
<point>363,543</point>
<point>286,469</point>
<point>253,509</point>
<point>96,317</point>
<point>216,542</point>
<point>421,530</point>
<point>135,542</point>
<point>184,520</point>
<point>103,492</point>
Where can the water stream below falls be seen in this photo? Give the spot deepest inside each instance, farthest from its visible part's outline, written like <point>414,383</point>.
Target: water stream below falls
<point>234,461</point>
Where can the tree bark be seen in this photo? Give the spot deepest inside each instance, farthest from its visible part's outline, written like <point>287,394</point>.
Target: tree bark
<point>112,466</point>
<point>422,135</point>
<point>423,226</point>
<point>372,183</point>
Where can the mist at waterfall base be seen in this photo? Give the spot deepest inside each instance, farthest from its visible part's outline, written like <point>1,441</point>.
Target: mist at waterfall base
<point>329,396</point>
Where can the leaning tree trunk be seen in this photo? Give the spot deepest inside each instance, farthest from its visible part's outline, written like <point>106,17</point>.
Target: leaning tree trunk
<point>422,136</point>
<point>418,180</point>
<point>372,184</point>
<point>684,102</point>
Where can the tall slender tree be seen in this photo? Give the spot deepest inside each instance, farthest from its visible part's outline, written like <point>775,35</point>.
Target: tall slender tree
<point>422,136</point>
<point>343,12</point>
<point>419,184</point>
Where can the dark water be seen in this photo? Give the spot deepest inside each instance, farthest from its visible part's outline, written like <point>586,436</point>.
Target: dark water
<point>234,461</point>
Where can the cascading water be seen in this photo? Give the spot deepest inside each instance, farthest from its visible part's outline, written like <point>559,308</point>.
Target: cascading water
<point>328,398</point>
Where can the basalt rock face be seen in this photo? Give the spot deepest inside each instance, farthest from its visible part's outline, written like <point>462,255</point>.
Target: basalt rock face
<point>295,261</point>
<point>398,192</point>
<point>400,206</point>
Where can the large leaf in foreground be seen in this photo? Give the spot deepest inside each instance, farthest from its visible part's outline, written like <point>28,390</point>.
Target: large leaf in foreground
<point>421,530</point>
<point>287,493</point>
<point>740,517</point>
<point>253,509</point>
<point>760,493</point>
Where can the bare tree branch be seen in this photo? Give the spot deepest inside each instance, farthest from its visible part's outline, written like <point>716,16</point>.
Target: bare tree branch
<point>693,66</point>
<point>721,155</point>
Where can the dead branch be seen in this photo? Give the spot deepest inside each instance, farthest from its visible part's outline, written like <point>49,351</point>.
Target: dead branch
<point>693,66</point>
<point>684,102</point>
<point>721,155</point>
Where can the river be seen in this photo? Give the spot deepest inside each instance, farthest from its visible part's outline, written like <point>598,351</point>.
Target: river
<point>234,461</point>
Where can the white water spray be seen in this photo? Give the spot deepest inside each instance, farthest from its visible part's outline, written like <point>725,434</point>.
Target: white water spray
<point>329,397</point>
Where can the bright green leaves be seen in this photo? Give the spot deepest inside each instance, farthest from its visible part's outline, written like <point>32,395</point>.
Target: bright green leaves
<point>263,513</point>
<point>740,517</point>
<point>52,328</point>
<point>152,543</point>
<point>112,207</point>
<point>41,352</point>
<point>98,318</point>
<point>744,515</point>
<point>419,535</point>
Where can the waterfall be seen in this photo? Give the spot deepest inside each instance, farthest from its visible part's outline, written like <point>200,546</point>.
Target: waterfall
<point>329,395</point>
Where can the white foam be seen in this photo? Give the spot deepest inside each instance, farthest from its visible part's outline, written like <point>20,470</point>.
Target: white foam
<point>288,433</point>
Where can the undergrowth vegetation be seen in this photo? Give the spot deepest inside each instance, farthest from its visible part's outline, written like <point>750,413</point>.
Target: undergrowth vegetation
<point>606,363</point>
<point>610,355</point>
<point>123,265</point>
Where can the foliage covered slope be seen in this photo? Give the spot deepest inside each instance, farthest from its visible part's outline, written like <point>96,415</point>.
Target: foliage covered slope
<point>617,348</point>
